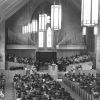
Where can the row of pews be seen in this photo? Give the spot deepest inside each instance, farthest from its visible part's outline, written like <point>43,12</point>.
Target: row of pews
<point>87,86</point>
<point>2,86</point>
<point>39,87</point>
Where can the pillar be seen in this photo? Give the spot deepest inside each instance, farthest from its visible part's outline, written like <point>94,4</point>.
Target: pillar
<point>2,45</point>
<point>97,45</point>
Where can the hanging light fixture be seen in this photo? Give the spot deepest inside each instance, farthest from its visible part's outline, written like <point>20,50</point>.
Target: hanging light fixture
<point>42,22</point>
<point>42,28</point>
<point>89,12</point>
<point>56,13</point>
<point>49,37</point>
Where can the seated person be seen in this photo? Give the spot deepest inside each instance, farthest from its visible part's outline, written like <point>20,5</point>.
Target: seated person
<point>41,86</point>
<point>1,94</point>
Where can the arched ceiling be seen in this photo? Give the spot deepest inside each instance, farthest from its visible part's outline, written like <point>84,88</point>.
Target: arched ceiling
<point>9,7</point>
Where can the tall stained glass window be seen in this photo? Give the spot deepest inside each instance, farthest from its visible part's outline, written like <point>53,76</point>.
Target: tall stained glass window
<point>49,37</point>
<point>41,39</point>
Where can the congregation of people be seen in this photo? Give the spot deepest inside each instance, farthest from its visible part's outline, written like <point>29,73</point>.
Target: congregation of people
<point>42,86</point>
<point>22,60</point>
<point>89,83</point>
<point>39,87</point>
<point>2,86</point>
<point>61,62</point>
<point>76,59</point>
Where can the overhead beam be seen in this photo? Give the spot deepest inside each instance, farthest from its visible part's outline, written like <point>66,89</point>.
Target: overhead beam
<point>76,3</point>
<point>13,8</point>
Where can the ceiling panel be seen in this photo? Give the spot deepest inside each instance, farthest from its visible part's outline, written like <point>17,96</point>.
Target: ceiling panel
<point>2,1</point>
<point>14,9</point>
<point>76,3</point>
<point>7,4</point>
<point>9,7</point>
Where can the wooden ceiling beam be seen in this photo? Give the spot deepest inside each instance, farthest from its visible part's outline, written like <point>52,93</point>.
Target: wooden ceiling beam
<point>12,8</point>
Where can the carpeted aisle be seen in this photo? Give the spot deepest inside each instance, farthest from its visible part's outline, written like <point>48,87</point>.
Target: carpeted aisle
<point>9,91</point>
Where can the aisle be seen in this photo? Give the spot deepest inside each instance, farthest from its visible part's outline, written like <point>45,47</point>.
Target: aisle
<point>9,91</point>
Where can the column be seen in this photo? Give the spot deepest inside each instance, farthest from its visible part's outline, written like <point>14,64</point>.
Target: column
<point>2,45</point>
<point>97,45</point>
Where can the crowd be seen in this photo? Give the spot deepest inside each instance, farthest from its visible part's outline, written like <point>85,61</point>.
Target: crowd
<point>64,62</point>
<point>2,86</point>
<point>39,87</point>
<point>87,82</point>
<point>22,60</point>
<point>61,62</point>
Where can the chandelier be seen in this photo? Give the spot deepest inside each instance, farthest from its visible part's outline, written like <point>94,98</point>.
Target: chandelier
<point>89,12</point>
<point>56,13</point>
<point>42,22</point>
<point>89,15</point>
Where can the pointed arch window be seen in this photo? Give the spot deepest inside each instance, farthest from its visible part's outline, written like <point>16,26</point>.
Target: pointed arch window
<point>49,37</point>
<point>41,39</point>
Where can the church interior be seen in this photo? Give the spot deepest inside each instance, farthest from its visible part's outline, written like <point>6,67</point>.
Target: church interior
<point>49,50</point>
